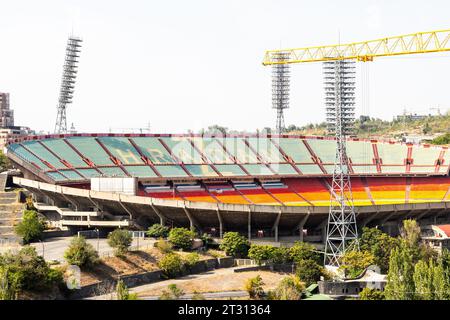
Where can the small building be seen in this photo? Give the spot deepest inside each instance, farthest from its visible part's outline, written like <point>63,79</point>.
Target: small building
<point>436,236</point>
<point>339,289</point>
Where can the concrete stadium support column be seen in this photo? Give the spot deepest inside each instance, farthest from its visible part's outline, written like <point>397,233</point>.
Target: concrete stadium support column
<point>162,218</point>
<point>192,222</point>
<point>219,216</point>
<point>275,225</point>
<point>301,225</point>
<point>249,224</point>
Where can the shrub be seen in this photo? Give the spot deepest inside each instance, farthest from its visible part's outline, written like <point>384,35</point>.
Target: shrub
<point>28,271</point>
<point>181,238</point>
<point>31,227</point>
<point>304,251</point>
<point>309,271</point>
<point>198,296</point>
<point>81,253</point>
<point>174,293</point>
<point>158,231</point>
<point>289,288</point>
<point>280,255</point>
<point>234,245</point>
<point>371,294</point>
<point>120,240</point>
<point>123,293</point>
<point>172,265</point>
<point>164,246</point>
<point>191,260</point>
<point>260,253</point>
<point>254,287</point>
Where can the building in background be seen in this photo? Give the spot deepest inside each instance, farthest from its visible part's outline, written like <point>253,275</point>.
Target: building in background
<point>7,128</point>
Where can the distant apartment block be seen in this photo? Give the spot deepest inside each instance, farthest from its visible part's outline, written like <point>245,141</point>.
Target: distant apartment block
<point>6,115</point>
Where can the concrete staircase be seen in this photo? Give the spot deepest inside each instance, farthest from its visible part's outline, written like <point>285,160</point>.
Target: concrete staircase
<point>10,214</point>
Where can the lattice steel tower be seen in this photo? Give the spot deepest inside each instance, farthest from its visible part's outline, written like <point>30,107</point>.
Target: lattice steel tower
<point>342,233</point>
<point>280,87</point>
<point>67,82</point>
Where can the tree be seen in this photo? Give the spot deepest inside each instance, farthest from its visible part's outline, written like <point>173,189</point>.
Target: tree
<point>164,246</point>
<point>423,280</point>
<point>379,244</point>
<point>441,282</point>
<point>5,164</point>
<point>123,293</point>
<point>308,271</point>
<point>191,259</point>
<point>234,245</point>
<point>120,240</point>
<point>410,233</point>
<point>304,251</point>
<point>31,227</point>
<point>289,288</point>
<point>355,262</point>
<point>8,290</point>
<point>443,139</point>
<point>254,287</point>
<point>172,265</point>
<point>81,253</point>
<point>181,238</point>
<point>158,231</point>
<point>426,128</point>
<point>400,282</point>
<point>371,294</point>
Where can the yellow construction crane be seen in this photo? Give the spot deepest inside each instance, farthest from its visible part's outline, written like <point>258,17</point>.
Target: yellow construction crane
<point>421,42</point>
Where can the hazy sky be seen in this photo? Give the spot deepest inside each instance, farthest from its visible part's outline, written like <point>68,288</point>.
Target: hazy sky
<point>182,65</point>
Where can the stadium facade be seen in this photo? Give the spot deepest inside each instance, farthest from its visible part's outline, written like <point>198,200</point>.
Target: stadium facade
<point>271,186</point>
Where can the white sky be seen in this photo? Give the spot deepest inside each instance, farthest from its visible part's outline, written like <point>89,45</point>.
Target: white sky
<point>189,64</point>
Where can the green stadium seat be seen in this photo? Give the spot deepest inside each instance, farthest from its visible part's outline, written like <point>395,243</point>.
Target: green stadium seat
<point>171,171</point>
<point>183,149</point>
<point>40,151</point>
<point>122,149</point>
<point>257,169</point>
<point>295,149</point>
<point>237,148</point>
<point>201,170</point>
<point>141,171</point>
<point>283,169</point>
<point>212,149</point>
<point>65,152</point>
<point>324,149</point>
<point>112,172</point>
<point>91,149</point>
<point>392,153</point>
<point>266,149</point>
<point>25,155</point>
<point>153,150</point>
<point>425,156</point>
<point>230,170</point>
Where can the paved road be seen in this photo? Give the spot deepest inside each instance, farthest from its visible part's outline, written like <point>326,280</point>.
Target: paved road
<point>207,295</point>
<point>53,249</point>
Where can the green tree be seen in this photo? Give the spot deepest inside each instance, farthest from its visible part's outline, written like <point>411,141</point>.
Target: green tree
<point>182,238</point>
<point>289,288</point>
<point>8,290</point>
<point>191,259</point>
<point>260,253</point>
<point>355,262</point>
<point>31,227</point>
<point>441,282</point>
<point>120,240</point>
<point>172,265</point>
<point>254,287</point>
<point>309,271</point>
<point>304,251</point>
<point>158,231</point>
<point>5,164</point>
<point>423,280</point>
<point>371,294</point>
<point>234,245</point>
<point>443,139</point>
<point>81,253</point>
<point>379,244</point>
<point>400,282</point>
<point>123,293</point>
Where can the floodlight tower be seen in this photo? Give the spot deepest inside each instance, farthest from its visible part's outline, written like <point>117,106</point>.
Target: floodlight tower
<point>67,82</point>
<point>342,233</point>
<point>280,88</point>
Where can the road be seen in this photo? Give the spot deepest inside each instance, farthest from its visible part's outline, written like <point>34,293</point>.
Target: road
<point>53,249</point>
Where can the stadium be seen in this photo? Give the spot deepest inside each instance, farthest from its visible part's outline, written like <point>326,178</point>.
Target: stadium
<point>267,187</point>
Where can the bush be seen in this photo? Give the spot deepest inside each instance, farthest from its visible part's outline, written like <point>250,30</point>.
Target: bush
<point>371,294</point>
<point>164,246</point>
<point>172,265</point>
<point>158,231</point>
<point>355,262</point>
<point>25,270</point>
<point>191,260</point>
<point>309,271</point>
<point>254,287</point>
<point>289,288</point>
<point>123,293</point>
<point>234,245</point>
<point>120,240</point>
<point>81,253</point>
<point>181,238</point>
<point>304,251</point>
<point>260,253</point>
<point>280,255</point>
<point>31,227</point>
<point>174,293</point>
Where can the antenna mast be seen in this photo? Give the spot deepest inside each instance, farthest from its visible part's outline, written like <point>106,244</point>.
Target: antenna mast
<point>67,82</point>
